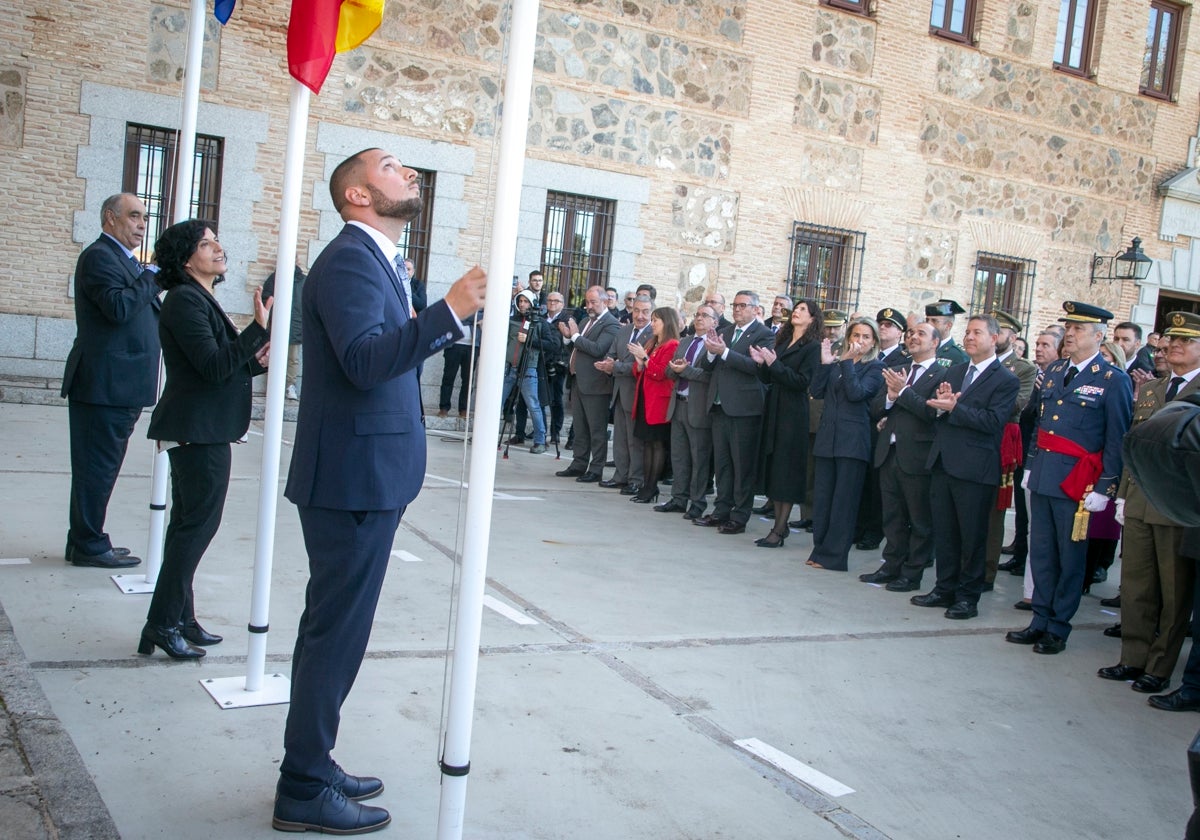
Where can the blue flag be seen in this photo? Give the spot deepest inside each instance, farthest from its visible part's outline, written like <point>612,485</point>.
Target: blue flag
<point>223,9</point>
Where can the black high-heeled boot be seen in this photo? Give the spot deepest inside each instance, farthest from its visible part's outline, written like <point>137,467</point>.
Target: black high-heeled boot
<point>170,640</point>
<point>197,635</point>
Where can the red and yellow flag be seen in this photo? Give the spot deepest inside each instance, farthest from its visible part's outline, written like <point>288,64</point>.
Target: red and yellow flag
<point>318,29</point>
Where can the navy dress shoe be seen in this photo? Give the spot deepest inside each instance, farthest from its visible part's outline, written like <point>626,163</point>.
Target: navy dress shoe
<point>329,812</point>
<point>1050,644</point>
<point>108,560</point>
<point>1182,699</point>
<point>356,788</point>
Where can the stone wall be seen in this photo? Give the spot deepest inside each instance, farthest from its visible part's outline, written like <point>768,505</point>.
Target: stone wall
<point>12,106</point>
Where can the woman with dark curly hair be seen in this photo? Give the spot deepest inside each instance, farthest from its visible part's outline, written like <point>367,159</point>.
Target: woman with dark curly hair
<point>205,405</point>
<point>783,447</point>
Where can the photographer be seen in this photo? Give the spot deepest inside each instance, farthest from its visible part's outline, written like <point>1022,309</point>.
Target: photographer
<point>529,340</point>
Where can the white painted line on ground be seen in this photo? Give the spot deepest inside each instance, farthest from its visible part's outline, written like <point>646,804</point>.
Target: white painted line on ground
<point>508,497</point>
<point>406,556</point>
<point>794,767</point>
<point>1108,612</point>
<point>14,561</point>
<point>453,481</point>
<point>507,611</point>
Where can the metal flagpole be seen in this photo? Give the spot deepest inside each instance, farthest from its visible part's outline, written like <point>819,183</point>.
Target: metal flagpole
<point>185,149</point>
<point>251,690</point>
<point>455,762</point>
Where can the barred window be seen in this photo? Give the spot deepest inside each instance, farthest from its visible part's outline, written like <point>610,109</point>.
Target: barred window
<point>414,242</point>
<point>1003,282</point>
<point>149,173</point>
<point>826,265</point>
<point>576,244</point>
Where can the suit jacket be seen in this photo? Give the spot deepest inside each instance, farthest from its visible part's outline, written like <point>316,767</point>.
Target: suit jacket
<point>360,442</point>
<point>1151,398</point>
<point>697,384</point>
<point>735,378</point>
<point>847,388</point>
<point>968,438</point>
<point>591,348</point>
<point>911,421</point>
<point>653,384</point>
<point>1094,412</point>
<point>209,365</point>
<point>898,358</point>
<point>1143,359</point>
<point>624,382</point>
<point>114,360</point>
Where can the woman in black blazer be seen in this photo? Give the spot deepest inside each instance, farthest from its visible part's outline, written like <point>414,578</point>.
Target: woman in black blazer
<point>205,405</point>
<point>783,448</point>
<point>842,449</point>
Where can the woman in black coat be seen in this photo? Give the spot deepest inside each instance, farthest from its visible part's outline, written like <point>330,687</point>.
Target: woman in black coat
<point>783,448</point>
<point>842,449</point>
<point>205,405</point>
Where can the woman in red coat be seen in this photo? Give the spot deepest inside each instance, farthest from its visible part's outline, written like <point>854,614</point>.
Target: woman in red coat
<point>654,400</point>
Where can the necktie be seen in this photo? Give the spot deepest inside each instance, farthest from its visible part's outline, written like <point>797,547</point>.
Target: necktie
<point>137,264</point>
<point>693,349</point>
<point>402,273</point>
<point>635,335</point>
<point>913,374</point>
<point>575,350</point>
<point>1173,390</point>
<point>1070,375</point>
<point>736,335</point>
<point>969,378</point>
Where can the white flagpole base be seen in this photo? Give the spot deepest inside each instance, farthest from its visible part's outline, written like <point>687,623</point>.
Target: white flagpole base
<point>231,693</point>
<point>132,584</point>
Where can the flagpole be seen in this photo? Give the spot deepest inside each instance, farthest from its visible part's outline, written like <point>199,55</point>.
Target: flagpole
<point>185,156</point>
<point>455,761</point>
<point>236,692</point>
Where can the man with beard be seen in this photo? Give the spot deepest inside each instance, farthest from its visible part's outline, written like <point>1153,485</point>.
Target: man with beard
<point>941,315</point>
<point>358,462</point>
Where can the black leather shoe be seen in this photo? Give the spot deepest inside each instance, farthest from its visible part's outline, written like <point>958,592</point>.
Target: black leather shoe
<point>869,544</point>
<point>610,482</point>
<point>1180,700</point>
<point>1120,673</point>
<point>117,550</point>
<point>108,560</point>
<point>516,440</point>
<point>764,510</point>
<point>710,521</point>
<point>877,577</point>
<point>932,599</point>
<point>170,640</point>
<point>1115,601</point>
<point>356,788</point>
<point>1017,569</point>
<point>692,515</point>
<point>1023,605</point>
<point>1009,565</point>
<point>631,489</point>
<point>329,812</point>
<point>962,609</point>
<point>670,506</point>
<point>1050,644</point>
<point>1150,684</point>
<point>1028,636</point>
<point>1099,575</point>
<point>903,584</point>
<point>731,527</point>
<point>1113,632</point>
<point>197,635</point>
<point>801,524</point>
<point>569,472</point>
<point>589,478</point>
<point>1008,550</point>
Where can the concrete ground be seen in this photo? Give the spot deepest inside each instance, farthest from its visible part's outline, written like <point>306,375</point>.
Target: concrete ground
<point>660,656</point>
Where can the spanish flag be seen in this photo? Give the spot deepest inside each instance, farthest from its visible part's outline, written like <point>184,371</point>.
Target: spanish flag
<point>317,29</point>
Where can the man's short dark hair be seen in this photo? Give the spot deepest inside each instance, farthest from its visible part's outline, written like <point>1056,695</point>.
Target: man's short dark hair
<point>993,326</point>
<point>648,289</point>
<point>537,272</point>
<point>1129,325</point>
<point>343,177</point>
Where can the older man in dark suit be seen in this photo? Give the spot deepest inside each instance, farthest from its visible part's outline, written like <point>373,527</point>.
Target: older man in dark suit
<point>901,456</point>
<point>111,373</point>
<point>359,460</point>
<point>973,403</point>
<point>691,425</point>
<point>592,387</point>
<point>627,450</point>
<point>735,402</point>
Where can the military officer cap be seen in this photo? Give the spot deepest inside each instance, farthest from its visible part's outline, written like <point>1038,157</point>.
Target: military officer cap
<point>894,316</point>
<point>944,308</point>
<point>1084,313</point>
<point>834,317</point>
<point>1007,321</point>
<point>1182,325</point>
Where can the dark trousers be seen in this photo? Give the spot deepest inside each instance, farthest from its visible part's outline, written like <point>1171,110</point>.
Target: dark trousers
<point>691,461</point>
<point>907,520</point>
<point>627,450</point>
<point>348,554</point>
<point>456,361</point>
<point>735,454</point>
<point>836,491</point>
<point>99,438</point>
<point>1191,671</point>
<point>961,509</point>
<point>589,424</point>
<point>1056,561</point>
<point>870,506</point>
<point>199,483</point>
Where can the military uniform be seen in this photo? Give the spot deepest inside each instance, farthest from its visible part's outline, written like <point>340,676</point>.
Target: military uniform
<point>948,352</point>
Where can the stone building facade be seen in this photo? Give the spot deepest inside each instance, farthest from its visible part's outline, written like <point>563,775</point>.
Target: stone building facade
<point>715,128</point>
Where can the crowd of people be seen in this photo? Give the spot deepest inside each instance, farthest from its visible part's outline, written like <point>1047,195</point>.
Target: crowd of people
<point>888,433</point>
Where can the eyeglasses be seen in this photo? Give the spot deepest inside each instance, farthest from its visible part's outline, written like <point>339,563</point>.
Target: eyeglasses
<point>742,305</point>
<point>713,303</point>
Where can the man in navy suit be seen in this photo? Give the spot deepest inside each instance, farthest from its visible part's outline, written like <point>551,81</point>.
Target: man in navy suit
<point>1084,409</point>
<point>358,461</point>
<point>973,404</point>
<point>111,373</point>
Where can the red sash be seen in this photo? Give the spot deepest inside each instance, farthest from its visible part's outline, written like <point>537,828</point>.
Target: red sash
<point>1010,459</point>
<point>1086,471</point>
